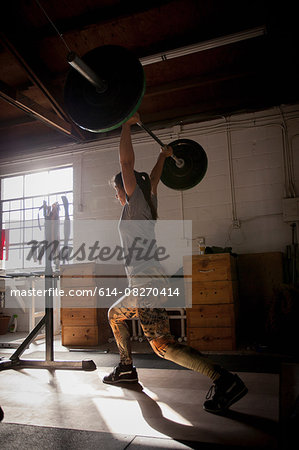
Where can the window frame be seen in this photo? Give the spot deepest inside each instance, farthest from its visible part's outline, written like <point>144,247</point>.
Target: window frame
<point>37,220</point>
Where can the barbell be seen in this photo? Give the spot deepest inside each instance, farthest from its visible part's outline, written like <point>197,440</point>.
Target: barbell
<point>104,88</point>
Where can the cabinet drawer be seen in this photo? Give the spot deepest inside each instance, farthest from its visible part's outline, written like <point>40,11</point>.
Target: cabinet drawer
<point>206,292</point>
<point>212,338</point>
<point>83,336</point>
<point>217,267</point>
<point>86,298</point>
<point>211,316</point>
<point>78,316</point>
<point>74,275</point>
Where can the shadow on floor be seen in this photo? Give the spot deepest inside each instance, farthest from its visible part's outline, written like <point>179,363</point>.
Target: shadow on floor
<point>153,415</point>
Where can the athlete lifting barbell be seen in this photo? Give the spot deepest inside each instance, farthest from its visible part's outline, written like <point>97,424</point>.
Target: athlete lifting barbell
<point>104,99</point>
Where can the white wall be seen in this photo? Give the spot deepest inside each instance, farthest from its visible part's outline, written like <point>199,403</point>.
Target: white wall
<point>246,184</point>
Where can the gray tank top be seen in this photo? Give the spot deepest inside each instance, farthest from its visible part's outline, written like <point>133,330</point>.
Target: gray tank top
<point>137,233</point>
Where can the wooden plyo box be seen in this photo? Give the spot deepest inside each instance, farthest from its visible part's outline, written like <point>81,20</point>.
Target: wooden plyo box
<point>79,313</point>
<point>212,294</point>
<point>80,335</point>
<point>215,338</point>
<point>79,316</point>
<point>84,322</point>
<point>214,267</point>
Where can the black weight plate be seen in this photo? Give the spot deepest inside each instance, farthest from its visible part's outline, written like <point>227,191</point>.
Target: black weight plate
<point>194,169</point>
<point>124,76</point>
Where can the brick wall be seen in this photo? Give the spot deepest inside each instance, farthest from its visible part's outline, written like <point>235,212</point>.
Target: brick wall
<point>258,181</point>
<point>258,178</point>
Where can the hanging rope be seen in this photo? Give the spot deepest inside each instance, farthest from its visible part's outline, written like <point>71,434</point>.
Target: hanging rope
<point>53,25</point>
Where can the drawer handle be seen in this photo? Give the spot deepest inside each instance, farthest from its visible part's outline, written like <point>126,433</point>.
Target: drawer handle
<point>205,271</point>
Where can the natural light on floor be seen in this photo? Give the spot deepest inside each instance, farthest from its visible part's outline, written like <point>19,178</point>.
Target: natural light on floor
<point>118,408</point>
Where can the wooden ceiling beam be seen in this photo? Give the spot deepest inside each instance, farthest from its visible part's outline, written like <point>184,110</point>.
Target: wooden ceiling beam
<point>32,75</point>
<point>78,18</point>
<point>77,133</point>
<point>20,101</point>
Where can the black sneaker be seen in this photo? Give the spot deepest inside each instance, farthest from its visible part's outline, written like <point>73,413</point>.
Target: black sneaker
<point>120,375</point>
<point>224,392</point>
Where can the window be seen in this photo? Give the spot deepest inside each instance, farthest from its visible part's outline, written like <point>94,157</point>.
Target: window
<point>22,199</point>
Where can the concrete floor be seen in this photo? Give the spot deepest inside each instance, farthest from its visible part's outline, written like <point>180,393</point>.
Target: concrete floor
<point>163,411</point>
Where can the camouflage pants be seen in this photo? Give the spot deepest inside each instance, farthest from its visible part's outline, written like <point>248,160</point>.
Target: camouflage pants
<point>155,326</point>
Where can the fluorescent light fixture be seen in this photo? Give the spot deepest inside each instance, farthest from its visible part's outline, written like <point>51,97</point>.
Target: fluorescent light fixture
<point>206,45</point>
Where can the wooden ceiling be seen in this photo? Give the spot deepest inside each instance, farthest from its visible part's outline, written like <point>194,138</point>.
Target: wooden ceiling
<point>247,75</point>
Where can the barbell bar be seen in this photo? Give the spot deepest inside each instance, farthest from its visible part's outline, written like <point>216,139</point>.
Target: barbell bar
<point>105,88</point>
<point>179,161</point>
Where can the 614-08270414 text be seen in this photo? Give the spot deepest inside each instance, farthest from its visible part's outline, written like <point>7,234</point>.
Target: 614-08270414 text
<point>141,291</point>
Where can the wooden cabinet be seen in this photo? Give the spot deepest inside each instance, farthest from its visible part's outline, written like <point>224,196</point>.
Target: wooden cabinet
<point>212,300</point>
<point>79,324</point>
<point>263,299</point>
<point>84,320</point>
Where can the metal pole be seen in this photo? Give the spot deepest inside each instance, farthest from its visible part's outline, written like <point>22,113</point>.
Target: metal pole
<point>22,347</point>
<point>48,293</point>
<point>79,65</point>
<point>179,162</point>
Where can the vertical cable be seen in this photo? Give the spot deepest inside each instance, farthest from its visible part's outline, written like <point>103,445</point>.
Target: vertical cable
<point>231,172</point>
<point>287,160</point>
<point>53,25</point>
